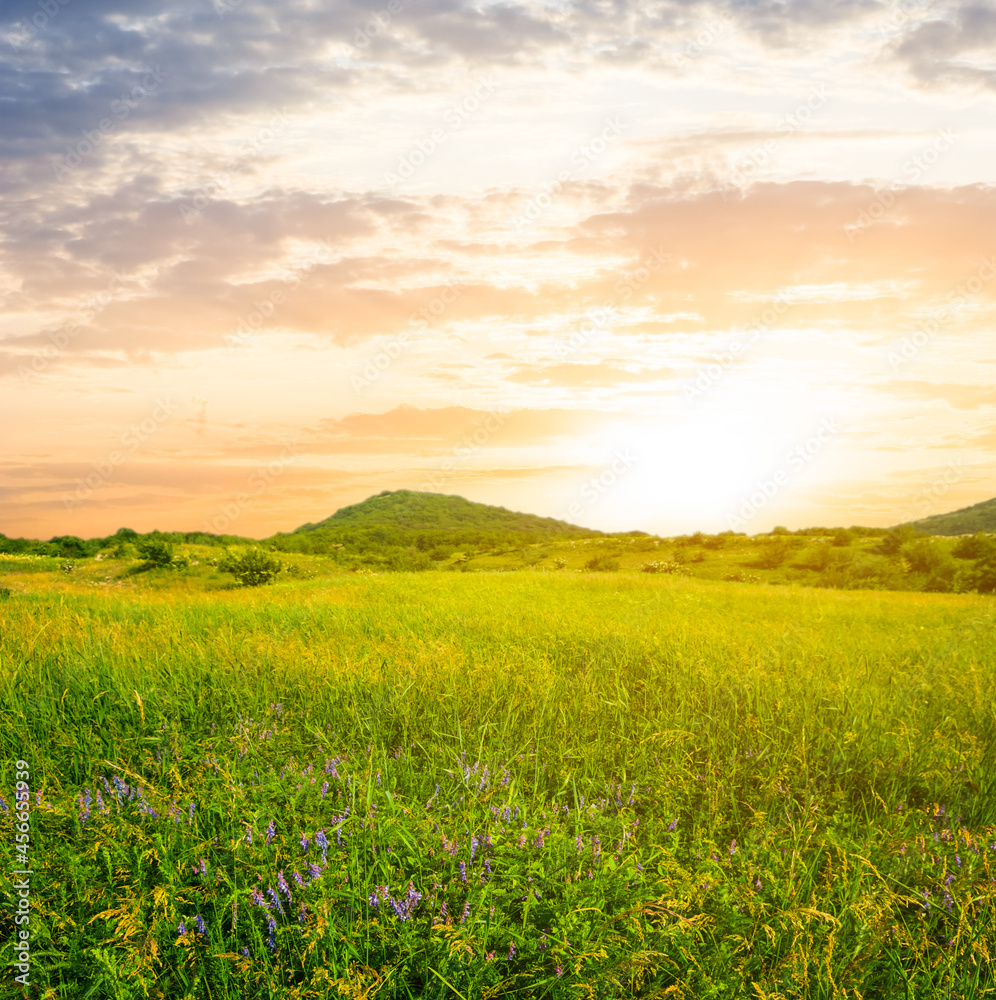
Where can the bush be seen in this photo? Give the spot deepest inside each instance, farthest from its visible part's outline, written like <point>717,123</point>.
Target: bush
<point>894,539</point>
<point>253,569</point>
<point>923,555</point>
<point>156,553</point>
<point>842,537</point>
<point>775,553</point>
<point>983,578</point>
<point>602,564</point>
<point>662,567</point>
<point>977,546</point>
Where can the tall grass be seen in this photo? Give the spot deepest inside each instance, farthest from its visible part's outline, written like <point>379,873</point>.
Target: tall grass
<point>618,786</point>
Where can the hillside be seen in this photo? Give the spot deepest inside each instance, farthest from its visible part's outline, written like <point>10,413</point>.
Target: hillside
<point>966,521</point>
<point>410,510</point>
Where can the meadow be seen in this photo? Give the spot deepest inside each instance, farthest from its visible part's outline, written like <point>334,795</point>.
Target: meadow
<point>498,784</point>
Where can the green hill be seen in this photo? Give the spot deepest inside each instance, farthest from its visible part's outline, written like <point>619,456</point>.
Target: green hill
<point>966,521</point>
<point>411,510</point>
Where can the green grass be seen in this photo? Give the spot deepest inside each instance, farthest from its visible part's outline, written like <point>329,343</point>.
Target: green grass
<point>619,785</point>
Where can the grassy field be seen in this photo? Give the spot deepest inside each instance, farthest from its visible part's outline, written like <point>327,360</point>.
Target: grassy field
<point>528,784</point>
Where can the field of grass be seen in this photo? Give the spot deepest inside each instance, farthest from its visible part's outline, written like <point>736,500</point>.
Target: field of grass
<point>529,784</point>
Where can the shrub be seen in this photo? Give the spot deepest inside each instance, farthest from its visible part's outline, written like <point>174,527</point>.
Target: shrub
<point>602,564</point>
<point>252,569</point>
<point>774,553</point>
<point>841,537</point>
<point>156,553</point>
<point>741,577</point>
<point>977,546</point>
<point>923,555</point>
<point>983,578</point>
<point>894,539</point>
<point>662,567</point>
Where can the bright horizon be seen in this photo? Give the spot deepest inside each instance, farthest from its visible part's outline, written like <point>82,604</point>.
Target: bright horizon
<point>674,267</point>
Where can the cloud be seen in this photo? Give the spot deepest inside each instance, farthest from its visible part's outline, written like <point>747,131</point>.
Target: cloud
<point>954,49</point>
<point>587,375</point>
<point>956,395</point>
<point>408,429</point>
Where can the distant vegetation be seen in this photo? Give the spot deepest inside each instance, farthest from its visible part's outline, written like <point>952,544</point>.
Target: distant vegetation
<point>413,532</point>
<point>967,521</point>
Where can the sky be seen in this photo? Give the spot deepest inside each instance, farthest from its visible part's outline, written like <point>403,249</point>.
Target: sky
<point>670,265</point>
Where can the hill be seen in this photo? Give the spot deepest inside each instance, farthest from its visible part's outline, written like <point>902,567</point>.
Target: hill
<point>411,510</point>
<point>966,521</point>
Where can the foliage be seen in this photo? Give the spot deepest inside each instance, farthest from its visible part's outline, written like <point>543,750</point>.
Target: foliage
<point>412,510</point>
<point>977,518</point>
<point>602,564</point>
<point>253,568</point>
<point>977,546</point>
<point>156,552</point>
<point>661,566</point>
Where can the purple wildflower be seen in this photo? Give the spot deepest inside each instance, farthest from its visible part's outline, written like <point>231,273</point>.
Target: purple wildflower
<point>314,871</point>
<point>181,927</point>
<point>275,899</point>
<point>511,952</point>
<point>248,834</point>
<point>271,938</point>
<point>322,842</point>
<point>204,867</point>
<point>283,886</point>
<point>672,825</point>
<point>305,843</point>
<point>201,926</point>
<point>270,833</point>
<point>325,788</point>
<point>245,951</point>
<point>298,879</point>
<point>190,813</point>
